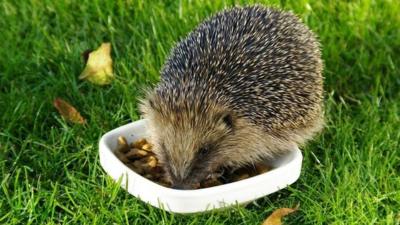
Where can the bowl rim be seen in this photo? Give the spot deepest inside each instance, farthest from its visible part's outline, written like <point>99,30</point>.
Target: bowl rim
<point>104,141</point>
<point>288,170</point>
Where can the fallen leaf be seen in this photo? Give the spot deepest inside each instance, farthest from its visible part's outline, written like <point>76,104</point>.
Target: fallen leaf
<point>68,112</point>
<point>98,68</point>
<point>276,217</point>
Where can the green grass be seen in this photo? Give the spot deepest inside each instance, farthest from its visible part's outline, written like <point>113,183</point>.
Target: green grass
<point>49,169</point>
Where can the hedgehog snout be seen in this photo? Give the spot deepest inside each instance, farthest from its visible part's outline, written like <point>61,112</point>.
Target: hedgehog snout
<point>181,186</point>
<point>191,180</point>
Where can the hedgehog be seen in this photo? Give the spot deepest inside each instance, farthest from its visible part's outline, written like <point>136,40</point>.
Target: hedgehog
<point>245,86</point>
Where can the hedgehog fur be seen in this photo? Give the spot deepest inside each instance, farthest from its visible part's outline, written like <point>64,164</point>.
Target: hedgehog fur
<point>246,85</point>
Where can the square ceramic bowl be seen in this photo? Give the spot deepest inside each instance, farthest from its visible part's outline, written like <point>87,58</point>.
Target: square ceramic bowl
<point>286,170</point>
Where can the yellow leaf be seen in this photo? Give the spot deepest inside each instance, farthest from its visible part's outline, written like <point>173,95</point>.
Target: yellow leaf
<point>276,217</point>
<point>98,68</point>
<point>68,112</point>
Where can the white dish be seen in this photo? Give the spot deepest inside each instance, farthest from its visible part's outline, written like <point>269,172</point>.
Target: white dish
<point>286,171</point>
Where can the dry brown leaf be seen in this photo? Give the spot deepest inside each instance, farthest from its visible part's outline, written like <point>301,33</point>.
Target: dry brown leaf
<point>98,68</point>
<point>68,112</point>
<point>276,217</point>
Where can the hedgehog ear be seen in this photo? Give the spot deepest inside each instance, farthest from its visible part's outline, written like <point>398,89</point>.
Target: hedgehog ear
<point>227,119</point>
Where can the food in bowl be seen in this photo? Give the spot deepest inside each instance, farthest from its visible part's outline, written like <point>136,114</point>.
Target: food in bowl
<point>139,157</point>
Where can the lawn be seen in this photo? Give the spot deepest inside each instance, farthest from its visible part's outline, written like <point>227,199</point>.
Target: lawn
<point>49,168</point>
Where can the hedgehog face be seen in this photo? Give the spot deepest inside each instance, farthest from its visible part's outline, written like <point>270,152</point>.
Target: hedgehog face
<point>188,144</point>
<point>191,153</point>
